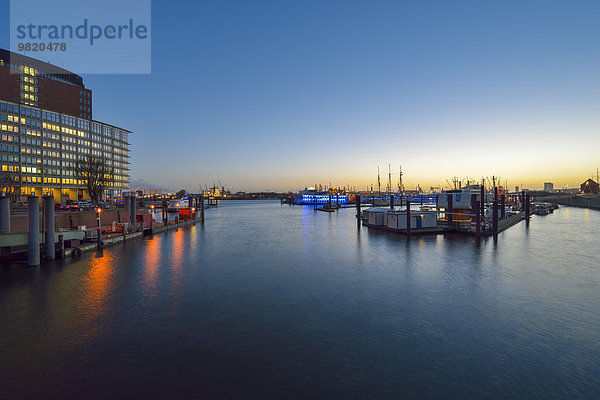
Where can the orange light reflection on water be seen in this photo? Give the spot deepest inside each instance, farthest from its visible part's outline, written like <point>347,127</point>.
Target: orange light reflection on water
<point>176,260</point>
<point>97,287</point>
<point>151,265</point>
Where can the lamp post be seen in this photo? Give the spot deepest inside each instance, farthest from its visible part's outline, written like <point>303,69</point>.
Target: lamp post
<point>98,212</point>
<point>151,216</point>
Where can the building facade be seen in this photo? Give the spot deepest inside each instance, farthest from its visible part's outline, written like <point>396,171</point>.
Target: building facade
<point>46,126</point>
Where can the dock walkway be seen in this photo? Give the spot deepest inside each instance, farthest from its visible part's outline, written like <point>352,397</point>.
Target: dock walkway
<point>503,224</point>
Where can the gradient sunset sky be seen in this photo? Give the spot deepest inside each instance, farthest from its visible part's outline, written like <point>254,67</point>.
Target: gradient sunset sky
<point>284,94</point>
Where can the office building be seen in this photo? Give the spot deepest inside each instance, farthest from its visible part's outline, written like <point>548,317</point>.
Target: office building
<point>46,125</point>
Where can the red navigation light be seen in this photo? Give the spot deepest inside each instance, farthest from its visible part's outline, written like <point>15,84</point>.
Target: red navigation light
<point>99,210</point>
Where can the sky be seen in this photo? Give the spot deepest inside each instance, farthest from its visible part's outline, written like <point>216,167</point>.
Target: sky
<point>280,95</point>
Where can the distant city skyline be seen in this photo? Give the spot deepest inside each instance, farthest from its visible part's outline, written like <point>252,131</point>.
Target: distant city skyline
<point>283,95</point>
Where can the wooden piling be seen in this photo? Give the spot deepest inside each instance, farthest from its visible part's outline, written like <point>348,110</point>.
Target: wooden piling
<point>392,201</point>
<point>449,209</point>
<point>495,219</point>
<point>477,220</point>
<point>202,208</point>
<point>502,206</point>
<point>482,200</point>
<point>407,218</point>
<point>358,209</point>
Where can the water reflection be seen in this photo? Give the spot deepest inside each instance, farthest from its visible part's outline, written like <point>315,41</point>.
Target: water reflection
<point>282,296</point>
<point>175,260</point>
<point>97,288</point>
<point>152,261</point>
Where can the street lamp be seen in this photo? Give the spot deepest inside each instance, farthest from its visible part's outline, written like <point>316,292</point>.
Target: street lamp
<point>152,216</point>
<point>98,212</point>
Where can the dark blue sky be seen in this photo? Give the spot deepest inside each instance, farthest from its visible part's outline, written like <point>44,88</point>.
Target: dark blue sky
<point>283,94</point>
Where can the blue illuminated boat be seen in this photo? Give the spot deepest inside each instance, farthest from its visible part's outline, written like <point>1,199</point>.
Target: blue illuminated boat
<point>312,197</point>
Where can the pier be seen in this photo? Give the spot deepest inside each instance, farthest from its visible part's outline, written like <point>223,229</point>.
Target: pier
<point>459,211</point>
<point>36,236</point>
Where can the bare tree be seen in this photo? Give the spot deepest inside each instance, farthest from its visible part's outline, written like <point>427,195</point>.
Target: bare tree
<point>10,185</point>
<point>95,173</point>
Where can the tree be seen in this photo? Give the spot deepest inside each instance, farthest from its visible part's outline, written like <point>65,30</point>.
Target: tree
<point>95,173</point>
<point>9,184</point>
<point>181,193</point>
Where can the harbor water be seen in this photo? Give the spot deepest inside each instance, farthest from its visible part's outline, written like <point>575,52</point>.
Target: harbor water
<point>273,301</point>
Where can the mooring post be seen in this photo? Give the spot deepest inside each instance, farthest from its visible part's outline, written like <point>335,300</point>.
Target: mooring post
<point>33,235</point>
<point>477,220</point>
<point>523,200</point>
<point>392,201</point>
<point>474,211</point>
<point>495,218</point>
<point>330,201</point>
<point>358,209</point>
<point>133,210</point>
<point>202,208</point>
<point>482,200</point>
<point>127,209</point>
<point>449,216</point>
<point>61,246</point>
<point>527,209</point>
<point>502,206</point>
<point>407,218</point>
<point>4,214</point>
<point>49,216</point>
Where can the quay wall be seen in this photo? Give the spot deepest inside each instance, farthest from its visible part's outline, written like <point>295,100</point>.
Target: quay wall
<point>70,220</point>
<point>585,201</point>
<point>73,252</point>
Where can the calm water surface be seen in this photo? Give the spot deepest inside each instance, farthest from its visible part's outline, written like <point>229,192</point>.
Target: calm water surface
<point>271,301</point>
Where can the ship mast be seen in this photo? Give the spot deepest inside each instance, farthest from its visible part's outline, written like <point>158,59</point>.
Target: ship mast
<point>400,186</point>
<point>389,179</point>
<point>378,182</point>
